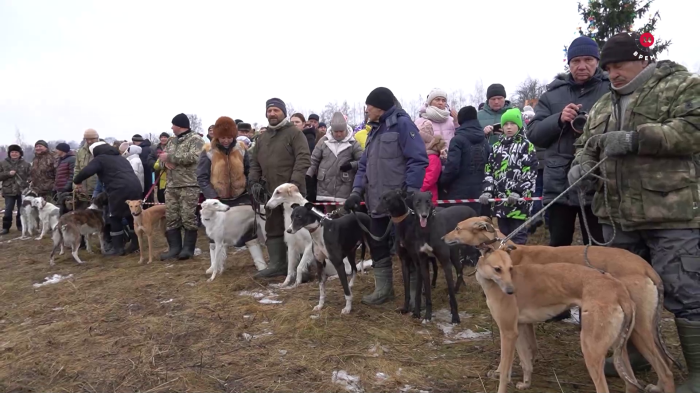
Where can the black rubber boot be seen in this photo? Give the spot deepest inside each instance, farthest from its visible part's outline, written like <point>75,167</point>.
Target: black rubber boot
<point>117,244</point>
<point>277,250</point>
<point>637,361</point>
<point>174,239</point>
<point>383,283</point>
<point>133,243</point>
<point>689,335</point>
<point>188,245</point>
<point>107,235</point>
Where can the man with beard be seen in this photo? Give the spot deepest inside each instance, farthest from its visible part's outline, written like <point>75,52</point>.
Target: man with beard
<point>647,128</point>
<point>281,155</point>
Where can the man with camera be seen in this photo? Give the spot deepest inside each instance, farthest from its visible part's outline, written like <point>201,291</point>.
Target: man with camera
<point>556,127</point>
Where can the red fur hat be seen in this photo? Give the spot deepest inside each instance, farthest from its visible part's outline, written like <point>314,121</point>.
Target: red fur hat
<point>225,127</point>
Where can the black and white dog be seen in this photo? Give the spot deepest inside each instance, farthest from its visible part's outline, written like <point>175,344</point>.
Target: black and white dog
<point>333,240</point>
<point>29,214</point>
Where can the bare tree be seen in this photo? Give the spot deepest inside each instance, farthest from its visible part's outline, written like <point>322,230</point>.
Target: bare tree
<point>458,99</point>
<point>155,139</point>
<point>328,111</point>
<point>529,89</point>
<point>195,123</point>
<point>19,137</point>
<point>478,95</point>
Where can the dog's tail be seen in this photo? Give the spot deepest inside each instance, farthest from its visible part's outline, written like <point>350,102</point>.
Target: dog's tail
<point>658,338</point>
<point>623,371</point>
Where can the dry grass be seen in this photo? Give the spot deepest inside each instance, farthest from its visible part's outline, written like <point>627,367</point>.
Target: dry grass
<point>117,326</point>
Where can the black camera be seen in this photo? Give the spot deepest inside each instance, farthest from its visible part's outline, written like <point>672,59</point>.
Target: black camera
<point>579,121</point>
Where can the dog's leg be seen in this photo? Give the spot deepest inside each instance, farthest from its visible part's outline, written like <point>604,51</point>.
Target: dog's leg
<point>418,295</point>
<point>305,263</point>
<point>506,316</point>
<point>406,274</point>
<point>353,267</point>
<point>87,244</point>
<point>321,288</point>
<point>101,238</point>
<point>292,261</point>
<point>212,257</point>
<point>642,338</point>
<point>150,246</point>
<point>139,238</point>
<point>435,272</point>
<point>222,259</point>
<point>216,261</point>
<point>599,330</point>
<point>428,289</point>
<point>526,347</point>
<point>44,227</point>
<point>338,263</point>
<point>74,252</point>
<point>443,255</point>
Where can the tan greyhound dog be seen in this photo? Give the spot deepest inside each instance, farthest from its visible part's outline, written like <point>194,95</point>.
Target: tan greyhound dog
<point>519,296</point>
<point>640,279</point>
<point>145,222</point>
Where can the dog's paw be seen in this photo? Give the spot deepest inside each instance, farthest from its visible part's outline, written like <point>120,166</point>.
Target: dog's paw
<point>318,308</point>
<point>38,238</point>
<point>456,321</point>
<point>493,374</point>
<point>346,310</point>
<point>210,270</point>
<point>425,321</point>
<point>522,385</point>
<point>403,310</point>
<point>416,316</point>
<point>653,389</point>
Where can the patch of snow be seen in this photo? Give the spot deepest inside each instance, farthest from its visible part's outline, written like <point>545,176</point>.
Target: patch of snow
<point>169,266</point>
<point>247,316</point>
<point>314,317</point>
<point>247,336</point>
<point>269,301</point>
<point>445,315</point>
<point>190,283</point>
<point>378,349</point>
<point>57,309</point>
<point>282,351</point>
<point>575,316</point>
<point>166,301</point>
<point>423,331</point>
<point>452,336</point>
<point>263,298</point>
<point>411,389</point>
<point>471,335</point>
<point>197,252</point>
<point>351,383</point>
<point>56,278</point>
<point>382,376</point>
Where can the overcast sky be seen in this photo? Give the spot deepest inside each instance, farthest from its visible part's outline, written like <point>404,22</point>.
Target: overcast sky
<point>128,67</point>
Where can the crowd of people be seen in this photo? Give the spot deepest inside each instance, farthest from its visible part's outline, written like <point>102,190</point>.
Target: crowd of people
<point>620,105</point>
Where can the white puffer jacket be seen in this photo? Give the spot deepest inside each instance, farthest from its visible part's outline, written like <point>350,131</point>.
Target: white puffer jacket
<point>132,154</point>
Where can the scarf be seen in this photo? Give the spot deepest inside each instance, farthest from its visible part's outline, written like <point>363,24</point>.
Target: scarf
<point>337,146</point>
<point>436,114</point>
<point>281,124</point>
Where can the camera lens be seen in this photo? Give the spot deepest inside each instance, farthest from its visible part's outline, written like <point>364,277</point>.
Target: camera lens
<point>579,121</point>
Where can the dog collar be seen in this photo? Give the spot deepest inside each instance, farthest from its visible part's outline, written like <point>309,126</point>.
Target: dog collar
<point>137,214</point>
<point>398,220</point>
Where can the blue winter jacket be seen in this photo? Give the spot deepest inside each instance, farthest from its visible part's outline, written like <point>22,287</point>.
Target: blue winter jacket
<point>394,158</point>
<point>467,155</point>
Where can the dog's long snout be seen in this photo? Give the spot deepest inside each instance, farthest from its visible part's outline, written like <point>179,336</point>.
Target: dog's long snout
<point>509,289</point>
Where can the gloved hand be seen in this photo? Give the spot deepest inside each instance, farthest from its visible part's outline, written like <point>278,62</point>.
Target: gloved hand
<point>353,201</point>
<point>619,143</point>
<point>346,167</point>
<point>484,198</point>
<point>575,173</point>
<point>513,198</point>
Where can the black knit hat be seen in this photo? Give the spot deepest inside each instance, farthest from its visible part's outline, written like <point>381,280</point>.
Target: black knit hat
<point>244,127</point>
<point>42,143</point>
<point>64,147</point>
<point>381,98</point>
<point>137,138</point>
<point>623,47</point>
<point>164,134</point>
<point>181,121</point>
<point>237,121</point>
<point>495,90</point>
<point>276,103</point>
<point>16,148</point>
<point>322,125</point>
<point>465,114</point>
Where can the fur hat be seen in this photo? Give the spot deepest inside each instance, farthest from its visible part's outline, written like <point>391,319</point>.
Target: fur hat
<point>16,148</point>
<point>427,133</point>
<point>436,145</point>
<point>225,127</point>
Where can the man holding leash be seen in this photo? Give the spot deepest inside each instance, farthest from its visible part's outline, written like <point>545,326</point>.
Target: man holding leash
<point>648,131</point>
<point>180,158</point>
<point>281,156</point>
<point>394,158</point>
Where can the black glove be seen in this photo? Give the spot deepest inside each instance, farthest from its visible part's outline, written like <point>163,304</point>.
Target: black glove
<point>353,201</point>
<point>346,167</point>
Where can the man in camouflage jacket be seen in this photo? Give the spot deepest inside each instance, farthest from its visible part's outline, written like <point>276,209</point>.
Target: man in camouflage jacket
<point>14,176</point>
<point>180,157</point>
<point>648,129</point>
<point>43,172</point>
<point>82,159</point>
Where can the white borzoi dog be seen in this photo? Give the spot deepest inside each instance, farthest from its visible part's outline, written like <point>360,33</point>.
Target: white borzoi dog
<point>225,226</point>
<point>298,243</point>
<point>48,215</point>
<point>29,214</point>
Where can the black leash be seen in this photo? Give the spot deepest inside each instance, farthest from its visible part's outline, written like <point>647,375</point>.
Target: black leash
<point>367,231</point>
<point>258,197</point>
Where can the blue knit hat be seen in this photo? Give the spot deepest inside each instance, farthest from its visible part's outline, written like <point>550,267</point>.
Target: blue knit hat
<point>582,46</point>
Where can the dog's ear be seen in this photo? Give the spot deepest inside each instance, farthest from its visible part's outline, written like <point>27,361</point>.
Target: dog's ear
<point>43,203</point>
<point>309,206</point>
<point>295,205</point>
<point>484,249</point>
<point>510,248</point>
<point>484,226</point>
<point>487,219</point>
<point>293,189</point>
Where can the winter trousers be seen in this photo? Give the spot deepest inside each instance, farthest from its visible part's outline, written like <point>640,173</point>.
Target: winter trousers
<point>10,203</point>
<point>675,255</point>
<point>180,208</point>
<point>380,250</point>
<point>562,224</point>
<point>508,225</point>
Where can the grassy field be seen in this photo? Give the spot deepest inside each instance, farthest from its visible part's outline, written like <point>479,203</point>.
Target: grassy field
<point>117,326</point>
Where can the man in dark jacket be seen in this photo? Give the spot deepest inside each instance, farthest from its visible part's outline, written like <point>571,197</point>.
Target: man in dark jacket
<point>14,176</point>
<point>145,146</point>
<point>281,155</point>
<point>394,158</point>
<point>152,159</point>
<point>552,129</point>
<point>121,184</point>
<point>64,172</point>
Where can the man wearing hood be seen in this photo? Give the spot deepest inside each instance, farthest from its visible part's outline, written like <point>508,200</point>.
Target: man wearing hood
<point>145,146</point>
<point>552,129</point>
<point>120,183</point>
<point>334,161</point>
<point>14,176</point>
<point>467,155</point>
<point>43,172</point>
<point>222,172</point>
<point>496,105</point>
<point>281,155</point>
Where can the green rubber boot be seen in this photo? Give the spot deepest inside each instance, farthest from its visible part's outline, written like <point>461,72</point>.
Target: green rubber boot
<point>689,335</point>
<point>277,250</point>
<point>383,283</point>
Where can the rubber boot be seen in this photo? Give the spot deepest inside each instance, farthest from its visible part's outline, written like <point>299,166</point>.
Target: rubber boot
<point>637,361</point>
<point>134,243</point>
<point>107,235</point>
<point>277,250</point>
<point>117,244</point>
<point>174,244</point>
<point>689,335</point>
<point>188,244</point>
<point>257,254</point>
<point>383,283</point>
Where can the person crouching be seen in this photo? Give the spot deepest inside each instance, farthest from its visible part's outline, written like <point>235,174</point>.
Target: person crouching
<point>221,174</point>
<point>511,174</point>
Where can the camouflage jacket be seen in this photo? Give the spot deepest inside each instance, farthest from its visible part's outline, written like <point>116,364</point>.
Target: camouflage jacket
<point>657,188</point>
<point>43,173</point>
<point>183,151</point>
<point>14,185</point>
<point>82,159</point>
